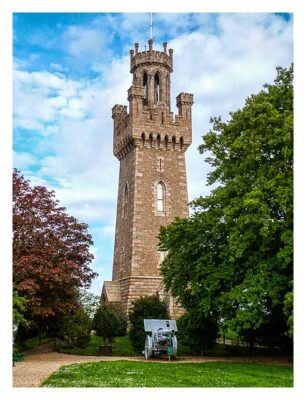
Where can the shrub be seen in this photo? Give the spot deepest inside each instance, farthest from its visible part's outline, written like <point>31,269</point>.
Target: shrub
<point>110,321</point>
<point>76,328</point>
<point>145,308</point>
<point>197,331</point>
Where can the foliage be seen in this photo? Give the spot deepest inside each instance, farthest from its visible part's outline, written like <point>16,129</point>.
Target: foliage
<point>198,331</point>
<point>89,301</point>
<point>121,346</point>
<point>156,374</point>
<point>51,257</point>
<point>19,306</point>
<point>110,321</point>
<point>288,311</point>
<point>76,328</point>
<point>33,342</point>
<point>149,307</point>
<point>233,258</point>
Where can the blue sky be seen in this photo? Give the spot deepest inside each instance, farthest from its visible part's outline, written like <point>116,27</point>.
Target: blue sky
<point>70,69</point>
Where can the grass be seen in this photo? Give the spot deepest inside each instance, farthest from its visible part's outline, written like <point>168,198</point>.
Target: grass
<point>154,374</point>
<point>32,343</point>
<point>122,346</point>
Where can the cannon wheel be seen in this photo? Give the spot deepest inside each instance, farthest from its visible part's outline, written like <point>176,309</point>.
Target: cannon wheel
<point>174,345</point>
<point>148,347</point>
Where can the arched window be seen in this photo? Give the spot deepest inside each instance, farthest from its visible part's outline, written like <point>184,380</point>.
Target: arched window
<point>143,139</point>
<point>156,88</point>
<point>125,201</point>
<point>151,140</point>
<point>181,143</point>
<point>160,196</point>
<point>145,89</point>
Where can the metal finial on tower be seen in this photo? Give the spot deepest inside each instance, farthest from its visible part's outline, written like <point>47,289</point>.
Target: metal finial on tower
<point>151,26</point>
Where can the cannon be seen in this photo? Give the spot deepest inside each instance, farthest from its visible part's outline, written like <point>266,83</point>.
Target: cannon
<point>161,339</point>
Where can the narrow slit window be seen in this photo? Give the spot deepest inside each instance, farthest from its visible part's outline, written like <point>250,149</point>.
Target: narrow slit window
<point>160,164</point>
<point>125,201</point>
<point>161,191</point>
<point>145,89</point>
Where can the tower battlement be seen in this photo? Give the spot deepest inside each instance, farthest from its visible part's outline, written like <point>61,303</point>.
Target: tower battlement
<point>157,126</point>
<point>150,57</point>
<point>119,111</point>
<point>184,99</point>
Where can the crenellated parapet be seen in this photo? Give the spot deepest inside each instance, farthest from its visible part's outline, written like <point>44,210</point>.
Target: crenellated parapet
<point>121,128</point>
<point>149,120</point>
<point>184,102</point>
<point>184,99</point>
<point>151,57</point>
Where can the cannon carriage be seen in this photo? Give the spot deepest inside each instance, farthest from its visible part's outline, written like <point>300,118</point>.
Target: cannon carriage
<point>162,338</point>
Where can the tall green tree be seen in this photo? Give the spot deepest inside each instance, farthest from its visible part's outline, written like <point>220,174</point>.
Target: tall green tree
<point>233,258</point>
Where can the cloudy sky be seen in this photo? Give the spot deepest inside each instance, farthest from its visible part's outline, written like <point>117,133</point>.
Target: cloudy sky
<point>70,69</point>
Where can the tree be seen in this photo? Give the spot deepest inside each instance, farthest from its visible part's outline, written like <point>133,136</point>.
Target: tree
<point>288,311</point>
<point>89,301</point>
<point>51,257</point>
<point>110,321</point>
<point>149,307</point>
<point>76,328</point>
<point>233,258</point>
<point>197,331</point>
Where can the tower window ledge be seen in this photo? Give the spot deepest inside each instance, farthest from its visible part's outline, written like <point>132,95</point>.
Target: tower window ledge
<point>160,213</point>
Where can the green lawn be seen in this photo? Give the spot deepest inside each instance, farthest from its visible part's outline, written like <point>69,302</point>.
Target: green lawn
<point>154,374</point>
<point>121,347</point>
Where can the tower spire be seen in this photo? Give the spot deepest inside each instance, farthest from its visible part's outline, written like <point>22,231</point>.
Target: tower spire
<point>151,26</point>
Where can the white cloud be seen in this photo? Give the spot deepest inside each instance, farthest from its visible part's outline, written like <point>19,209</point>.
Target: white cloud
<point>23,160</point>
<point>40,98</point>
<point>85,43</point>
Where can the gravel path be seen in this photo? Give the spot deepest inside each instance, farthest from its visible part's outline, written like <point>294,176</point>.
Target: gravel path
<point>37,367</point>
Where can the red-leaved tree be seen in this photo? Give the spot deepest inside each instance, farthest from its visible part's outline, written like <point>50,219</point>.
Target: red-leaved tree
<point>51,257</point>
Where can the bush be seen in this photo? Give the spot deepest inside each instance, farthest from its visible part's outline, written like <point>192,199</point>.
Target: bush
<point>197,331</point>
<point>110,321</point>
<point>145,308</point>
<point>76,328</point>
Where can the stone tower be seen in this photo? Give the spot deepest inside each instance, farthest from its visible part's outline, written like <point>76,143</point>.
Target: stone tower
<point>150,143</point>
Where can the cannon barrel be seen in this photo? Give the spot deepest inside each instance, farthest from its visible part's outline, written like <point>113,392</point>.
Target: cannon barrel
<point>165,332</point>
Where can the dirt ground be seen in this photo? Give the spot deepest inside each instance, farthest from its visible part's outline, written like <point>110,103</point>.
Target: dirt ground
<point>38,366</point>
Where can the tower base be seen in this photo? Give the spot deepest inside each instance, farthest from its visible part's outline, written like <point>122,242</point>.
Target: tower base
<point>127,290</point>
